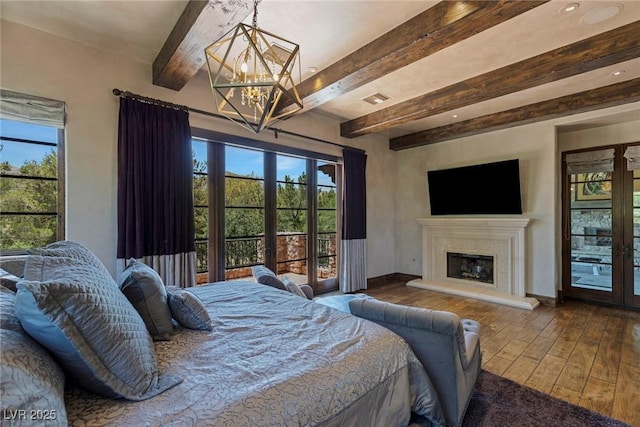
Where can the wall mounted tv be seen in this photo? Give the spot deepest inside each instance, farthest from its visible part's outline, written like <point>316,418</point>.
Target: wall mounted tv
<point>486,189</point>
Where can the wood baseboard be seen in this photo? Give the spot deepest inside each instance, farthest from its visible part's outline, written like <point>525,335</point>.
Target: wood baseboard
<point>548,301</point>
<point>378,281</point>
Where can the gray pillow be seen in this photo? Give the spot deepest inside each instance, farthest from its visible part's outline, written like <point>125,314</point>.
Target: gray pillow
<point>293,287</point>
<point>144,288</point>
<point>31,380</point>
<point>188,310</point>
<point>91,329</point>
<point>69,249</point>
<point>267,277</point>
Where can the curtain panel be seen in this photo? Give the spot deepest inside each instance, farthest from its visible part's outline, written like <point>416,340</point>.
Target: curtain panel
<point>155,191</point>
<point>353,265</point>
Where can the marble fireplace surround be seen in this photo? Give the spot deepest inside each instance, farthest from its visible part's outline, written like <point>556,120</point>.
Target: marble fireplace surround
<point>503,238</point>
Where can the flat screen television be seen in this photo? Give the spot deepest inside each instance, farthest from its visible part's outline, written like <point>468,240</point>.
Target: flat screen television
<point>486,189</point>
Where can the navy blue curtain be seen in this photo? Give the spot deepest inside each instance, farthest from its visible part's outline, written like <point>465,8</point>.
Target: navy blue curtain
<point>353,274</point>
<point>354,212</point>
<point>155,182</point>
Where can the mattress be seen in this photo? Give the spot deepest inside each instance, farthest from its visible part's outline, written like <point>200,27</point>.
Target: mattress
<point>274,359</point>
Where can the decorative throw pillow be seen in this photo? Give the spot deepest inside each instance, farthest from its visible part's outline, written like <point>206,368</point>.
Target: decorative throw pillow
<point>267,277</point>
<point>188,310</point>
<point>144,288</point>
<point>31,380</point>
<point>91,329</point>
<point>69,249</point>
<point>293,287</point>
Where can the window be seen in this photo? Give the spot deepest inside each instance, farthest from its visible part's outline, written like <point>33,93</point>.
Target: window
<point>244,221</point>
<point>200,205</point>
<point>31,172</point>
<point>30,207</point>
<point>263,204</point>
<point>327,219</point>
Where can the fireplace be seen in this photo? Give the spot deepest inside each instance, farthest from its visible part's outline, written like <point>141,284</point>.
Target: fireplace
<point>478,257</point>
<point>472,267</point>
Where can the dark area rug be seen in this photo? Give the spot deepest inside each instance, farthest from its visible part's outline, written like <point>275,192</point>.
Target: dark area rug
<point>497,401</point>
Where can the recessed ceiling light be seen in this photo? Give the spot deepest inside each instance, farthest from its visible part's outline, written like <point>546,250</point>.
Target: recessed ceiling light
<point>375,99</point>
<point>312,69</point>
<point>571,7</point>
<point>601,14</point>
<point>455,116</point>
<point>617,73</point>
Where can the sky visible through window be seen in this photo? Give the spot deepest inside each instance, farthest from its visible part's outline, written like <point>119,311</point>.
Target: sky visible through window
<point>244,161</point>
<point>17,153</point>
<point>238,160</point>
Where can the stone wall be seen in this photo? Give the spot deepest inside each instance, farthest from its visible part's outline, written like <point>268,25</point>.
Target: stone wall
<point>596,248</point>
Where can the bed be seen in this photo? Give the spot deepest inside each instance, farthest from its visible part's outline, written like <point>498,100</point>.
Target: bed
<point>271,358</point>
<point>274,358</point>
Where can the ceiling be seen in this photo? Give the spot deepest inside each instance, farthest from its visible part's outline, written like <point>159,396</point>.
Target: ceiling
<point>458,68</point>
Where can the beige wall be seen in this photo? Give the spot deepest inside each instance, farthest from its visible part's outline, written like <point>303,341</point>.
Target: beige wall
<point>36,63</point>
<point>534,145</point>
<point>538,147</point>
<point>596,136</point>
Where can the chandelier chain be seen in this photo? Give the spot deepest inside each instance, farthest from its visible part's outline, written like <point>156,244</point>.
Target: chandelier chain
<point>255,13</point>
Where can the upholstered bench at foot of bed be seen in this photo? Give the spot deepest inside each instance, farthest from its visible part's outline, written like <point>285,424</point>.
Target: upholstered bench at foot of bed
<point>448,347</point>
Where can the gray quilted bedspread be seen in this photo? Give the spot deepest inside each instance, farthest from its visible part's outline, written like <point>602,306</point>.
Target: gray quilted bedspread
<point>274,359</point>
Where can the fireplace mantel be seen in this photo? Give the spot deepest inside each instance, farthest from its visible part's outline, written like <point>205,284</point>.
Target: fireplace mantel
<point>501,237</point>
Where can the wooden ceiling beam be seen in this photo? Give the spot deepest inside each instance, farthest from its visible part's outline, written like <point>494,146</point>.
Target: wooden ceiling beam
<point>605,49</point>
<point>594,99</point>
<point>201,23</point>
<point>438,27</point>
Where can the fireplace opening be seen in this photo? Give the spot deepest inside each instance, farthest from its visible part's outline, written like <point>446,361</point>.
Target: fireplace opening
<point>477,268</point>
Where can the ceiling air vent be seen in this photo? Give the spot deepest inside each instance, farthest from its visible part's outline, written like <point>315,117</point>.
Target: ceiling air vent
<point>375,99</point>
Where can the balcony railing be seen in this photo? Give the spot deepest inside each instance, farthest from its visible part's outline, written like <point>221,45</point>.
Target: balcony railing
<point>202,261</point>
<point>244,252</point>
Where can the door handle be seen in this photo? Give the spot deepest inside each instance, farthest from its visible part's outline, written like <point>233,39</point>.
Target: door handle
<point>616,250</point>
<point>628,251</point>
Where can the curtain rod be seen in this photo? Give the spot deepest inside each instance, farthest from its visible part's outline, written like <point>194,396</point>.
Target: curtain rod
<point>131,95</point>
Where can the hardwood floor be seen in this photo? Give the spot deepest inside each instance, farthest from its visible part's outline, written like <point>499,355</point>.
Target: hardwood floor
<point>586,354</point>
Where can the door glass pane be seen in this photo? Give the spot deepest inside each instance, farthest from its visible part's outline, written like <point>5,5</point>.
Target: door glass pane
<point>291,201</point>
<point>201,209</point>
<point>591,245</point>
<point>244,211</point>
<point>327,220</point>
<point>636,232</point>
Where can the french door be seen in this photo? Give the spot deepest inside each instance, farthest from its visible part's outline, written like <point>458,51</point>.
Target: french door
<point>259,207</point>
<point>601,226</point>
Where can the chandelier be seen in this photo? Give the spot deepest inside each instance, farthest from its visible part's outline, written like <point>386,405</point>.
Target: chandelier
<point>251,73</point>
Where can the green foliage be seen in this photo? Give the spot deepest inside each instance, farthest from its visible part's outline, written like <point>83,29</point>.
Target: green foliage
<point>292,204</point>
<point>29,195</point>
<point>326,218</point>
<point>200,199</point>
<point>244,198</point>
